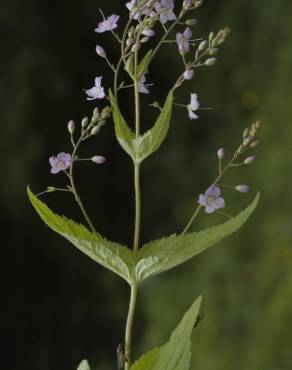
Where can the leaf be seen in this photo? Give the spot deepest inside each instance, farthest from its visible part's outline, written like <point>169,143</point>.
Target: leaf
<point>124,133</point>
<point>164,254</point>
<point>147,361</point>
<point>151,140</point>
<point>141,147</point>
<point>129,66</point>
<point>143,66</point>
<point>113,256</point>
<point>176,353</point>
<point>84,365</point>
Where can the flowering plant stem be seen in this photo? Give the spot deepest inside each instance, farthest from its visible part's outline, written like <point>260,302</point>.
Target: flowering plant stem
<point>73,186</point>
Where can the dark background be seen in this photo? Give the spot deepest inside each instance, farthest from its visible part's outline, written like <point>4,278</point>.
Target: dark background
<point>57,305</point>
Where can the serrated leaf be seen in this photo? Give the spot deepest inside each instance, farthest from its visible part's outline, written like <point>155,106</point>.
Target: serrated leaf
<point>164,254</point>
<point>147,360</point>
<point>143,66</point>
<point>113,256</point>
<point>124,133</point>
<point>151,140</point>
<point>143,146</point>
<point>176,353</point>
<point>84,365</point>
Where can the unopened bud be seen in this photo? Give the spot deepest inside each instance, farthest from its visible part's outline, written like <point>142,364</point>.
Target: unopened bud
<point>106,113</point>
<point>84,122</point>
<point>95,130</point>
<point>213,51</point>
<point>221,153</point>
<point>71,126</point>
<point>189,74</point>
<point>245,133</point>
<point>100,51</point>
<point>259,125</point>
<point>249,160</point>
<point>242,188</point>
<point>254,144</point>
<point>187,4</point>
<point>145,39</point>
<point>148,32</point>
<point>51,189</point>
<point>198,3</point>
<point>210,61</point>
<point>247,140</point>
<point>136,47</point>
<point>191,22</point>
<point>203,45</point>
<point>98,159</point>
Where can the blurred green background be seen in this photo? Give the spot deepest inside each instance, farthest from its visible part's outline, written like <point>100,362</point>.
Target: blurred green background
<point>58,306</point>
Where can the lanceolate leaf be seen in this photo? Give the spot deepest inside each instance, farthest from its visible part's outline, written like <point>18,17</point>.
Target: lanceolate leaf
<point>151,140</point>
<point>141,147</point>
<point>113,256</point>
<point>124,133</point>
<point>176,353</point>
<point>164,254</point>
<point>143,66</point>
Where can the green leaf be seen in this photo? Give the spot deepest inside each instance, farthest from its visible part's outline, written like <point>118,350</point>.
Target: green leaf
<point>147,361</point>
<point>84,365</point>
<point>129,66</point>
<point>151,140</point>
<point>113,256</point>
<point>124,133</point>
<point>176,353</point>
<point>143,66</point>
<point>164,254</point>
<point>146,144</point>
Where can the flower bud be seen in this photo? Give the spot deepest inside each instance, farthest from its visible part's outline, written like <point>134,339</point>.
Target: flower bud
<point>221,153</point>
<point>95,130</point>
<point>249,160</point>
<point>135,47</point>
<point>247,140</point>
<point>148,32</point>
<point>98,159</point>
<point>213,51</point>
<point>106,113</point>
<point>242,188</point>
<point>71,126</point>
<point>187,4</point>
<point>210,61</point>
<point>191,22</point>
<point>198,3</point>
<point>254,144</point>
<point>145,39</point>
<point>51,189</point>
<point>100,51</point>
<point>203,44</point>
<point>84,122</point>
<point>189,74</point>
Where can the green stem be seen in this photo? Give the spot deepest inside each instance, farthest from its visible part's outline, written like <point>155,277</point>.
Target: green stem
<point>138,207</point>
<point>129,325</point>
<point>73,186</point>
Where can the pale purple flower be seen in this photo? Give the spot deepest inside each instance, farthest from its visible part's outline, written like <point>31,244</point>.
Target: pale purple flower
<point>108,24</point>
<point>98,159</point>
<point>97,91</point>
<point>142,87</point>
<point>136,10</point>
<point>211,200</point>
<point>189,74</point>
<point>165,10</point>
<point>60,163</point>
<point>193,106</point>
<point>183,39</point>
